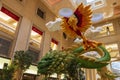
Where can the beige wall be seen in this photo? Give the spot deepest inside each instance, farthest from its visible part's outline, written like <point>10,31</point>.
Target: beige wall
<point>27,11</point>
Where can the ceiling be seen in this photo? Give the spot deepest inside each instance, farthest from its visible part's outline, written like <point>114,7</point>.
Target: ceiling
<point>102,9</point>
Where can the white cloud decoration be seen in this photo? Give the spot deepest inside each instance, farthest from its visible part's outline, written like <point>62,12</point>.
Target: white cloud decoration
<point>54,25</point>
<point>92,31</point>
<point>77,40</point>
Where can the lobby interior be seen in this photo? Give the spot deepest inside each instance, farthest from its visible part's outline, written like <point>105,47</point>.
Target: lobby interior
<point>23,27</point>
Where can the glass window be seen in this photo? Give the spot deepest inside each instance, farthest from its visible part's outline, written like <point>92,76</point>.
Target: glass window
<point>35,38</point>
<point>35,54</point>
<point>54,44</point>
<point>113,49</point>
<point>107,30</point>
<point>5,47</point>
<point>8,22</point>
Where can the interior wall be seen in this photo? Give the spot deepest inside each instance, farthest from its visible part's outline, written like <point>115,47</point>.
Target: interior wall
<point>27,9</point>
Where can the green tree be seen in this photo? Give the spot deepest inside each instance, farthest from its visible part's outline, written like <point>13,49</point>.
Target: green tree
<point>22,61</point>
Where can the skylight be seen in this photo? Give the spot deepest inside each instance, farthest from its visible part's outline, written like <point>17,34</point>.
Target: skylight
<point>88,1</point>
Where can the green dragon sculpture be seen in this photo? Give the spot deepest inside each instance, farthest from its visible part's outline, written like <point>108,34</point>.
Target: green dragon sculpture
<point>70,61</point>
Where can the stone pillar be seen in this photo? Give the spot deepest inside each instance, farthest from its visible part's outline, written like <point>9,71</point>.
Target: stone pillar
<point>94,74</point>
<point>45,48</point>
<point>23,35</point>
<point>88,74</point>
<point>46,43</point>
